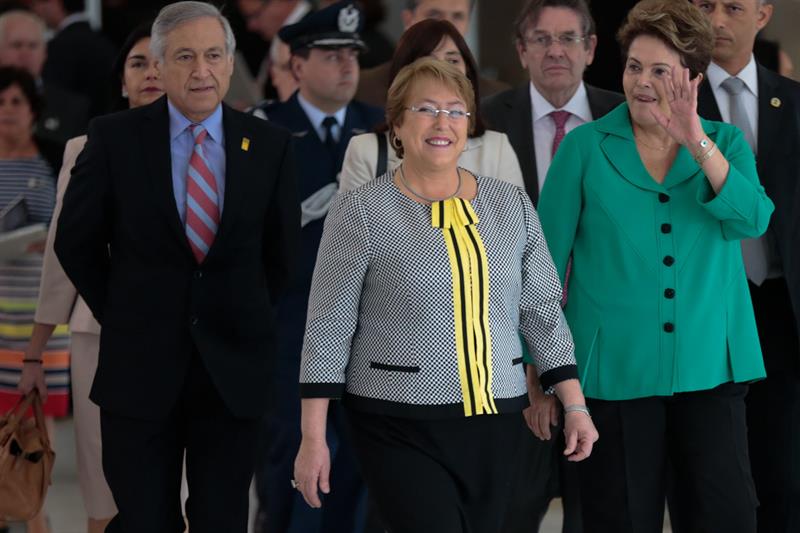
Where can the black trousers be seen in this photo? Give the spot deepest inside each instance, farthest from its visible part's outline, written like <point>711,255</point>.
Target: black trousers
<point>773,411</point>
<point>143,460</point>
<point>543,473</point>
<point>443,476</point>
<point>702,435</point>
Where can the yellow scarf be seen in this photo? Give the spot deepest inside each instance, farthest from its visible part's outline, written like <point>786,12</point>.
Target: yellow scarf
<point>470,273</point>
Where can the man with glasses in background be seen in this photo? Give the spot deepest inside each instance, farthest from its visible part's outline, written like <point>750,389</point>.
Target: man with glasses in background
<point>556,41</point>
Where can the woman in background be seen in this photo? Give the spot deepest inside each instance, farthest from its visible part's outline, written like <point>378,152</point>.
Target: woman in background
<point>59,302</point>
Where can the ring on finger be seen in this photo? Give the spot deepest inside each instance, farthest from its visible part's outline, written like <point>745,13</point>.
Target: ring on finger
<point>295,484</point>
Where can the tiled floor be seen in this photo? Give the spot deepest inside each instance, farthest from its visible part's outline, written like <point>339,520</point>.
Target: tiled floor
<point>65,508</point>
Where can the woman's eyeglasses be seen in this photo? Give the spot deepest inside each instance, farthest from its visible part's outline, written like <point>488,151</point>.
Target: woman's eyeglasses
<point>432,112</point>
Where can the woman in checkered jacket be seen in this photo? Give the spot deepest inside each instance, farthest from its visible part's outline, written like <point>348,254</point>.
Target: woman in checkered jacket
<point>424,280</point>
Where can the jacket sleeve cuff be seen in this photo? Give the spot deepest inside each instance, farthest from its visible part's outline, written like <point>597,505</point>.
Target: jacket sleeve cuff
<point>321,390</point>
<point>557,375</point>
<point>736,200</point>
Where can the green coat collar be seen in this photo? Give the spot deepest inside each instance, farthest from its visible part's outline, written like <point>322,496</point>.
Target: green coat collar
<point>619,147</point>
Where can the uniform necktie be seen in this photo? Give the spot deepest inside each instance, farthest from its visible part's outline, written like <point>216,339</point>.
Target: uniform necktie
<point>202,199</point>
<point>754,251</point>
<point>560,119</point>
<point>330,141</point>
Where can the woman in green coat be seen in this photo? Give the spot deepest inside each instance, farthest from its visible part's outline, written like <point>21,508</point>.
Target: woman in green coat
<point>650,204</point>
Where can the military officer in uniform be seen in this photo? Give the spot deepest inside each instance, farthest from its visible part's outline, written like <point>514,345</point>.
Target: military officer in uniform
<point>322,117</point>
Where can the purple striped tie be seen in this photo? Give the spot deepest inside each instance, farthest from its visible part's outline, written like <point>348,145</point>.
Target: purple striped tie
<point>202,199</point>
<point>560,118</point>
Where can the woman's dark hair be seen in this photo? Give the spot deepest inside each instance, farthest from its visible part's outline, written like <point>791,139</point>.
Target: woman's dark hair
<point>137,34</point>
<point>421,40</point>
<point>21,78</point>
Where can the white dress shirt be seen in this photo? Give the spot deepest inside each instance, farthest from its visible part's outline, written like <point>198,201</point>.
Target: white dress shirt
<point>544,129</point>
<point>749,75</point>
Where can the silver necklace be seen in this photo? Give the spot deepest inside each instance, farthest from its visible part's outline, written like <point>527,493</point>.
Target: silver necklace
<point>425,198</point>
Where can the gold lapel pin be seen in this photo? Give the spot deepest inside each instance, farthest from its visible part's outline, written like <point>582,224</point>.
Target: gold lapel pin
<point>245,144</point>
<point>775,102</point>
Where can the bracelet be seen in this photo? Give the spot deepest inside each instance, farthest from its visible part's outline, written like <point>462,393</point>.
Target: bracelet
<point>704,157</point>
<point>577,408</point>
<point>37,361</point>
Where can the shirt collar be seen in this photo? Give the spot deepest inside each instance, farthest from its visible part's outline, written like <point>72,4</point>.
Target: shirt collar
<point>72,19</point>
<point>178,123</point>
<point>316,115</point>
<point>749,75</point>
<point>578,105</point>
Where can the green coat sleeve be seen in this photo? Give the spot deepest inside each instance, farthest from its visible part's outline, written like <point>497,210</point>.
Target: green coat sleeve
<point>741,206</point>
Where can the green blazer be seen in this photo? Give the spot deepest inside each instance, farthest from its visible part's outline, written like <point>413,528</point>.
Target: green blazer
<point>657,298</point>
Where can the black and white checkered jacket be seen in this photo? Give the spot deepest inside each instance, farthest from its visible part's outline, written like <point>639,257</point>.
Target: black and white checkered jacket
<point>380,329</point>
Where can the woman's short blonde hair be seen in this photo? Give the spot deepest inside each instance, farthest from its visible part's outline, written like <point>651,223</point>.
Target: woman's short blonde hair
<point>430,68</point>
<point>678,24</point>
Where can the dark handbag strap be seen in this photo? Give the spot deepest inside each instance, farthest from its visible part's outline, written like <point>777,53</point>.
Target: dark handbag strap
<point>383,155</point>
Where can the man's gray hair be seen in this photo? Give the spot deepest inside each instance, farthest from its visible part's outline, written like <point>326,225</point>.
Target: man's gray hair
<point>20,13</point>
<point>179,13</point>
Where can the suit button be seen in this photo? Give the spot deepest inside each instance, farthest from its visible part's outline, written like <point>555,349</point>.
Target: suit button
<point>195,320</point>
<point>663,198</point>
<point>198,274</point>
<point>666,228</point>
<point>669,293</point>
<point>669,327</point>
<point>669,260</point>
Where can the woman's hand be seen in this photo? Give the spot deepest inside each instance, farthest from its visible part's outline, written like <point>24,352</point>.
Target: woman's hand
<point>580,434</point>
<point>542,413</point>
<point>681,121</point>
<point>312,468</point>
<point>32,376</point>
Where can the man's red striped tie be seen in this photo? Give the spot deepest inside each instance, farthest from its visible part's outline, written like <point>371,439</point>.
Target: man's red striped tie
<point>202,199</point>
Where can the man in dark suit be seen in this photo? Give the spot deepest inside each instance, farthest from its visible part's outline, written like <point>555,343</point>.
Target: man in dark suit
<point>766,106</point>
<point>556,41</point>
<point>79,59</point>
<point>374,82</point>
<point>322,117</point>
<point>65,114</point>
<point>177,228</point>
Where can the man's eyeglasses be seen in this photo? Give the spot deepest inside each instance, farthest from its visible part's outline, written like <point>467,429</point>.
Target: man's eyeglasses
<point>432,112</point>
<point>545,40</point>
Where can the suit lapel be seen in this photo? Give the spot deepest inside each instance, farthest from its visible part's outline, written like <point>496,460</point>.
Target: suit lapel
<point>706,103</point>
<point>353,125</point>
<point>235,164</point>
<point>157,148</point>
<point>520,129</point>
<point>769,117</point>
<point>601,102</point>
